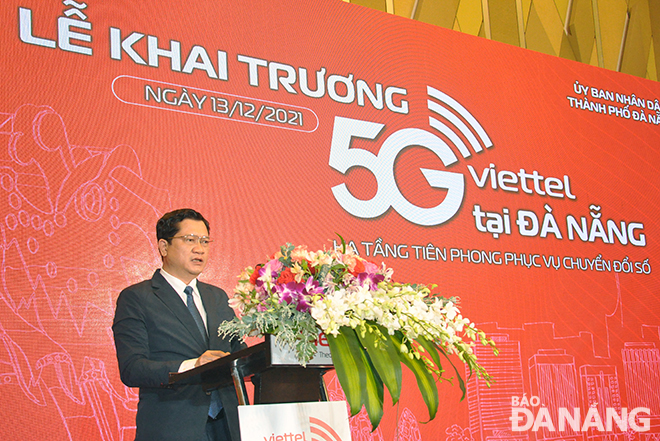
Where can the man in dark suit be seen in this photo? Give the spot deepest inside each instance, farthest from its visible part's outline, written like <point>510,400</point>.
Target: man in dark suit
<point>169,324</point>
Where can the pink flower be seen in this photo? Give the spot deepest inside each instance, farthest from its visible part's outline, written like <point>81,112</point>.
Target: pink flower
<point>370,267</point>
<point>351,261</point>
<point>274,266</point>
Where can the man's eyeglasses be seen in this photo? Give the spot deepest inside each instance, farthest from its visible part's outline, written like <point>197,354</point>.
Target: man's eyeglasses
<point>193,239</point>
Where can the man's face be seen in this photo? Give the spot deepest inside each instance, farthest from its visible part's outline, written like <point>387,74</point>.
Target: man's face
<point>180,259</point>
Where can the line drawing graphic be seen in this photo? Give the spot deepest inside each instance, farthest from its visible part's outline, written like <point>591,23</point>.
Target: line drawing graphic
<point>74,219</point>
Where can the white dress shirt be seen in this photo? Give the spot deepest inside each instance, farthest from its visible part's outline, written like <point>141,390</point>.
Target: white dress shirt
<point>179,286</point>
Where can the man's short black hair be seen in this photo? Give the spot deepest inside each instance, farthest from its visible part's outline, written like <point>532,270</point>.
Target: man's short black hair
<point>168,225</point>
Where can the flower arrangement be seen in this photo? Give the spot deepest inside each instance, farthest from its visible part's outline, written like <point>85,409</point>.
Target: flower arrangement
<point>372,324</point>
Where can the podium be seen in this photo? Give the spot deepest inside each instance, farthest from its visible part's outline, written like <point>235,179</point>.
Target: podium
<point>276,377</point>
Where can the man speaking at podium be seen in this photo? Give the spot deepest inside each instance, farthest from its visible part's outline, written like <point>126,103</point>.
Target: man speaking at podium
<point>169,324</point>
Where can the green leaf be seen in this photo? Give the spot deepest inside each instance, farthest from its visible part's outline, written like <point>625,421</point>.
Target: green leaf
<point>432,349</point>
<point>372,394</point>
<point>356,374</point>
<point>343,244</point>
<point>385,359</point>
<point>348,367</point>
<point>425,380</point>
<point>461,383</point>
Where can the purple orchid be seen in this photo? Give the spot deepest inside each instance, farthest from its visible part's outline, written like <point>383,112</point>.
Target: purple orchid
<point>299,293</point>
<point>372,279</point>
<point>292,293</point>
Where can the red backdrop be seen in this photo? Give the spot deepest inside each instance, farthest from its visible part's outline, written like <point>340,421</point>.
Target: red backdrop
<point>256,113</point>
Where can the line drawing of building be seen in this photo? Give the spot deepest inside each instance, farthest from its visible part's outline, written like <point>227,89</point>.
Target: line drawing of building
<point>641,367</point>
<point>600,389</point>
<point>575,371</point>
<point>490,407</point>
<point>553,379</point>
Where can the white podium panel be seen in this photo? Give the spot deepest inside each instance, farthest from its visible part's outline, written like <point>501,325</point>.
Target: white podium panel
<point>318,421</point>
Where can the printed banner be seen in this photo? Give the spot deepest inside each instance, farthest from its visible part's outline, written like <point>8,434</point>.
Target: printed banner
<point>524,184</point>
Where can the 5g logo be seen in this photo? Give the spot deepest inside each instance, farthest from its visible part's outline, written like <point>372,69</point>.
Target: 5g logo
<point>342,158</point>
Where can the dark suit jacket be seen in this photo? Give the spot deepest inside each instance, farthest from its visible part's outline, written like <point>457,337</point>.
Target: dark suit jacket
<point>154,332</point>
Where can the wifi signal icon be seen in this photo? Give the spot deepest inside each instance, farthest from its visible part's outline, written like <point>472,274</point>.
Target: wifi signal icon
<point>448,108</point>
<point>321,431</point>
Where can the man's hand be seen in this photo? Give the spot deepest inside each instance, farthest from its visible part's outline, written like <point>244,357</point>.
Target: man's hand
<point>209,356</point>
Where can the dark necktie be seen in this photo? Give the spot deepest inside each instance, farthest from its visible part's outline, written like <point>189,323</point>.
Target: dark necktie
<point>216,403</point>
<point>195,312</point>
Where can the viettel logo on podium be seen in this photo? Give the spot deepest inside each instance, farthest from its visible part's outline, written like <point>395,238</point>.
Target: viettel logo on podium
<point>321,431</point>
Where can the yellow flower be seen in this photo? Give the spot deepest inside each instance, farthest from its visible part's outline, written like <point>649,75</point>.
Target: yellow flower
<point>298,272</point>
